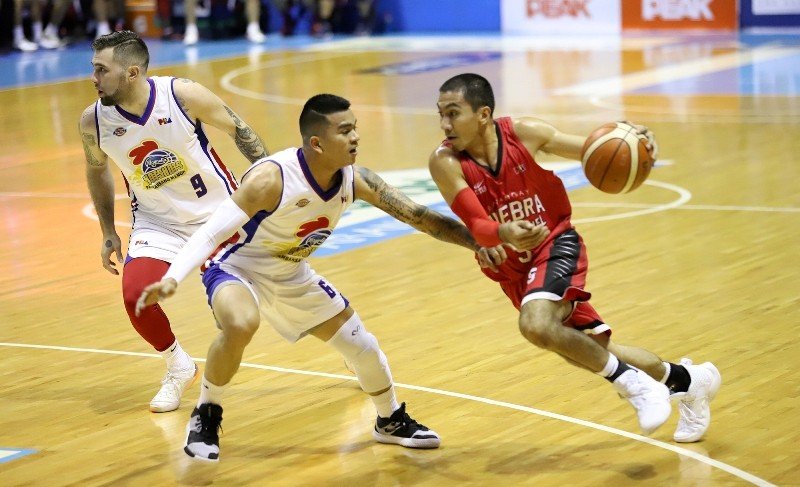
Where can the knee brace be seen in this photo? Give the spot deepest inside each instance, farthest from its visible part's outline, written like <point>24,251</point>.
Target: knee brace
<point>360,348</point>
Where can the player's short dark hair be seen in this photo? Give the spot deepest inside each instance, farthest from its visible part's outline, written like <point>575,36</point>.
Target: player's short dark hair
<point>129,48</point>
<point>313,118</point>
<point>476,89</point>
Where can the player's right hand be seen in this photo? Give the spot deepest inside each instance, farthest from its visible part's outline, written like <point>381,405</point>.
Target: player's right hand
<point>523,234</point>
<point>158,291</point>
<point>111,244</point>
<point>491,257</point>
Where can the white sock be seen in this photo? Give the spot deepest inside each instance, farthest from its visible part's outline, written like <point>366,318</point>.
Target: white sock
<point>385,403</point>
<point>19,34</point>
<point>37,31</point>
<point>666,374</point>
<point>210,393</point>
<point>253,26</point>
<point>611,366</point>
<point>176,358</point>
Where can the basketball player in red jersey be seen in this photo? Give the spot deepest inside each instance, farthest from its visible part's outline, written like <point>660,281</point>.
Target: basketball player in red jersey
<point>152,129</point>
<point>487,174</point>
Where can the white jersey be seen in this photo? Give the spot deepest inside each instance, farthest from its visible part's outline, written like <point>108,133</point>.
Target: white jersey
<point>173,175</point>
<point>277,243</point>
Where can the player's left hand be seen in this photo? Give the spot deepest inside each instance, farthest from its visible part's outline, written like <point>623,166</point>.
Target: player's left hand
<point>645,134</point>
<point>158,291</point>
<point>491,257</point>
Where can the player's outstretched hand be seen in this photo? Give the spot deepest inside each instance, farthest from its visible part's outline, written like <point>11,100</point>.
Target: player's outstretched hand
<point>522,234</point>
<point>111,245</point>
<point>158,291</point>
<point>491,257</point>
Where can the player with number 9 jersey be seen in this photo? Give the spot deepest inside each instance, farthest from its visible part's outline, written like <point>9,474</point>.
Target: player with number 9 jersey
<point>174,175</point>
<point>152,128</point>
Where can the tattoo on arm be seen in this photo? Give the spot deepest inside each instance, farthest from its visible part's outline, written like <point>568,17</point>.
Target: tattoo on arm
<point>248,142</point>
<point>397,204</point>
<point>90,141</point>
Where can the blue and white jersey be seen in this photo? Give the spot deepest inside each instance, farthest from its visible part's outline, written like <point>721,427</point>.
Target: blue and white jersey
<point>277,243</point>
<point>173,174</point>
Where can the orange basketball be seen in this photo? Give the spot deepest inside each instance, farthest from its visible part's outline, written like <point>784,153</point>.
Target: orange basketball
<point>615,158</point>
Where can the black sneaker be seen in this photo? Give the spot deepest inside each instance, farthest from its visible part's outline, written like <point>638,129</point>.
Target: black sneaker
<point>202,442</point>
<point>400,429</point>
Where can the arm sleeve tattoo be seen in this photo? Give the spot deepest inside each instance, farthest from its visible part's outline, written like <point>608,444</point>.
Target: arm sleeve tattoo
<point>398,205</point>
<point>248,142</point>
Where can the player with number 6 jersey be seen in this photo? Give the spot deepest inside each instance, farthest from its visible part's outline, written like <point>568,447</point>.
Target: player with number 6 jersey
<point>287,206</point>
<point>152,128</point>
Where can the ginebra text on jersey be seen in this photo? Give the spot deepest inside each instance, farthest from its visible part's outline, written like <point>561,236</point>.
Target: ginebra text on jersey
<point>521,209</point>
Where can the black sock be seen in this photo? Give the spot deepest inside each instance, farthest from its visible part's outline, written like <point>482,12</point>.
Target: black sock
<point>621,368</point>
<point>678,379</point>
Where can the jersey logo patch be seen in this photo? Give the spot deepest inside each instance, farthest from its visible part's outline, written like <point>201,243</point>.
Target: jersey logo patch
<point>155,166</point>
<point>303,202</point>
<point>164,121</point>
<point>120,131</point>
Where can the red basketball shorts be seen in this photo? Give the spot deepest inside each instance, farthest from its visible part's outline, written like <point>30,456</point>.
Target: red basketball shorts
<point>558,271</point>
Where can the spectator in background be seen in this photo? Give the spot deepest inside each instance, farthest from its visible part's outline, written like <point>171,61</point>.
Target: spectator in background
<point>46,38</point>
<point>102,9</point>
<point>252,12</point>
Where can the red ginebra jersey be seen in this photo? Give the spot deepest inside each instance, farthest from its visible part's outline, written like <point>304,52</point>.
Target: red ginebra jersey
<point>519,189</point>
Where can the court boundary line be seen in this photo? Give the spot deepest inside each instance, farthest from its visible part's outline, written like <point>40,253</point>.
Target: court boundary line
<point>492,402</point>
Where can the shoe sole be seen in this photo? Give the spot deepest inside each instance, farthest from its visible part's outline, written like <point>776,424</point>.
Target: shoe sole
<point>422,444</point>
<point>156,409</point>
<point>716,383</point>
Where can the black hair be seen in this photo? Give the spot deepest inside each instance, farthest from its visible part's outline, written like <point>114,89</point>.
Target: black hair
<point>476,90</point>
<point>129,48</point>
<point>313,118</point>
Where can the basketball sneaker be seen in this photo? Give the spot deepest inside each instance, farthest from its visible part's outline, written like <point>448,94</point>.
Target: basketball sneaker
<point>649,397</point>
<point>400,429</point>
<point>694,404</point>
<point>174,383</point>
<point>202,439</point>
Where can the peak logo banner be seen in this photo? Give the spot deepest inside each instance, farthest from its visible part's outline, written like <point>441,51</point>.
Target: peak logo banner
<point>561,16</point>
<point>679,14</point>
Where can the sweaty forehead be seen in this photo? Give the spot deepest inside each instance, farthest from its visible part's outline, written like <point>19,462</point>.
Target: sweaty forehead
<point>104,57</point>
<point>339,119</point>
<point>451,99</point>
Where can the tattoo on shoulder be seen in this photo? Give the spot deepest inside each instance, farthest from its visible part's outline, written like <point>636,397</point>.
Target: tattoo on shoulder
<point>184,80</point>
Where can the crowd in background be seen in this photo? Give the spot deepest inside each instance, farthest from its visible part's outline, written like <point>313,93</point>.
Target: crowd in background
<point>30,25</point>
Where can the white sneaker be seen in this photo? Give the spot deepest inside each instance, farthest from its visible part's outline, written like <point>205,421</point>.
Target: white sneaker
<point>174,383</point>
<point>254,34</point>
<point>694,404</point>
<point>191,36</point>
<point>25,45</point>
<point>50,41</point>
<point>649,397</point>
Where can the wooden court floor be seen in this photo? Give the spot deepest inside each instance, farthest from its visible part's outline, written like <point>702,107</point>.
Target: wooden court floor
<point>702,262</point>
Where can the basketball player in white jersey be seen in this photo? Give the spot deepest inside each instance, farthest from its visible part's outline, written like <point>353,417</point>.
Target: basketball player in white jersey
<point>152,128</point>
<point>286,207</point>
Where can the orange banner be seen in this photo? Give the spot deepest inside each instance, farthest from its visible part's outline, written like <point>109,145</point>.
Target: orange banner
<point>679,14</point>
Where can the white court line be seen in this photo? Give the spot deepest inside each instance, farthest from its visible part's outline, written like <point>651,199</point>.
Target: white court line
<point>683,196</point>
<point>620,84</point>
<point>643,439</point>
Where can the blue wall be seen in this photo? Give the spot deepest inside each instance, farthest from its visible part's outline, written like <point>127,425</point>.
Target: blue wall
<point>441,15</point>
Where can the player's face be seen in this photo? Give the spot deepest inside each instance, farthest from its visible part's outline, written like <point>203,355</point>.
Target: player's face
<point>457,119</point>
<point>340,139</point>
<point>109,78</point>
